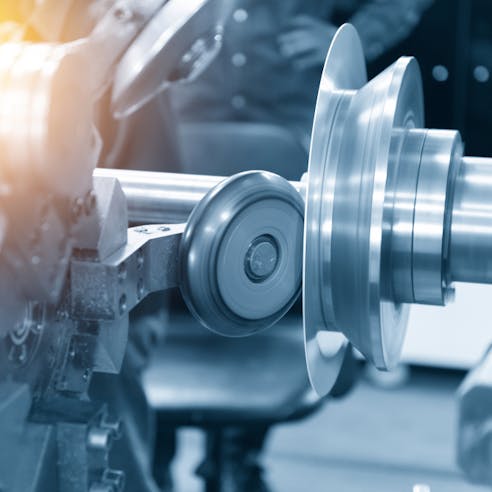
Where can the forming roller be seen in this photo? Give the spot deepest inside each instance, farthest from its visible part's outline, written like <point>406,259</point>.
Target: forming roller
<point>393,216</point>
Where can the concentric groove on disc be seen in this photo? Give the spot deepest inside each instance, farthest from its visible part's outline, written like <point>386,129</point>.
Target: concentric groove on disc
<point>349,177</point>
<point>216,245</point>
<point>343,73</point>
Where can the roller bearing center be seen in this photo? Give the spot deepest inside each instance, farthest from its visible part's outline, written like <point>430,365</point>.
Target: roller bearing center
<point>261,258</point>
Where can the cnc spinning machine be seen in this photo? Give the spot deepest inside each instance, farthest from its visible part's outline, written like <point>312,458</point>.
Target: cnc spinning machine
<point>389,214</point>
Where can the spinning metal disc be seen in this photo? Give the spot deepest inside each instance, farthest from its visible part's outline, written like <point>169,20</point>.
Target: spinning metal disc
<point>241,253</point>
<point>350,175</point>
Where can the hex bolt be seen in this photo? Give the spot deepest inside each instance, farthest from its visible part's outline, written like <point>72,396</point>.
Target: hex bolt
<point>99,438</point>
<point>113,425</point>
<point>111,481</point>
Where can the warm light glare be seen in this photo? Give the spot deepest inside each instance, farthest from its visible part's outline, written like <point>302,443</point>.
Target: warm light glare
<point>11,21</point>
<point>10,11</point>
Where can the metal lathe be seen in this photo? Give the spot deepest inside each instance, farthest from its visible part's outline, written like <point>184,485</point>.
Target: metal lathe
<point>387,215</point>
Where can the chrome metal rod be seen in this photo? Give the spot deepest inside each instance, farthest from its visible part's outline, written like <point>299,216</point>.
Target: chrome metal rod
<point>157,198</point>
<point>470,253</point>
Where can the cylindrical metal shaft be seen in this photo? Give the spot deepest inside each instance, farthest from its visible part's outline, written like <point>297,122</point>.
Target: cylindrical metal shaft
<point>441,222</point>
<point>425,162</point>
<point>470,252</point>
<point>158,198</point>
<point>155,198</point>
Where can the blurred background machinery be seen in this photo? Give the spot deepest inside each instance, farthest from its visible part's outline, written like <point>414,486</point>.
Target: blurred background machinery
<point>387,214</point>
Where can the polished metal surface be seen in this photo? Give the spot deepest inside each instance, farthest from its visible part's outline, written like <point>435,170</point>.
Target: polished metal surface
<point>158,198</point>
<point>432,216</point>
<point>352,153</point>
<point>432,222</point>
<point>177,44</point>
<point>45,101</point>
<point>470,246</point>
<point>426,162</point>
<point>342,77</point>
<point>394,214</point>
<point>241,253</point>
<point>406,149</point>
